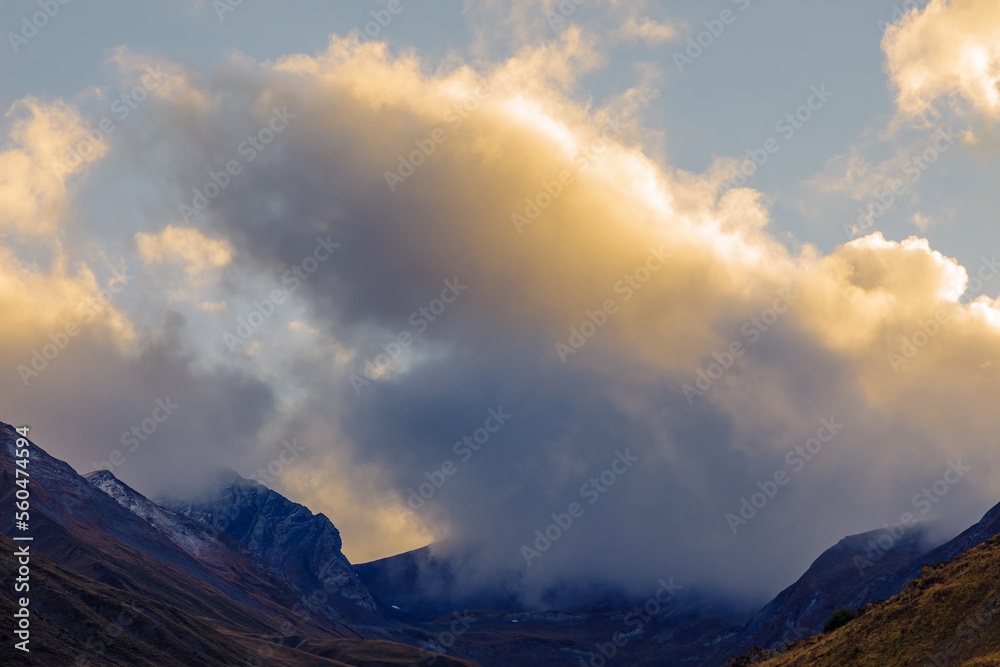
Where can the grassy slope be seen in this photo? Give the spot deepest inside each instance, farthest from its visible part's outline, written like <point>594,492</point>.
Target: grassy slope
<point>78,612</point>
<point>83,576</point>
<point>954,608</point>
<point>375,653</point>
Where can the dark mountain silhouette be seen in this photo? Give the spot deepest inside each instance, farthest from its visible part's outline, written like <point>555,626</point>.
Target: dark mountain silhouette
<point>242,575</point>
<point>949,615</point>
<point>120,580</point>
<point>854,573</point>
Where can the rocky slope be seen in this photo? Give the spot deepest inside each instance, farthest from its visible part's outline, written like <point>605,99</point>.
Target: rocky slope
<point>950,615</point>
<point>836,579</point>
<point>284,537</point>
<point>174,592</point>
<point>186,533</point>
<point>242,573</point>
<point>854,573</point>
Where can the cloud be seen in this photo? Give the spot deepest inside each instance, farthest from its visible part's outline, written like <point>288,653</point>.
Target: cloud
<point>922,222</point>
<point>76,360</point>
<point>214,306</point>
<point>368,535</point>
<point>186,246</point>
<point>48,143</point>
<point>560,230</point>
<point>45,302</point>
<point>947,51</point>
<point>159,78</point>
<point>513,26</point>
<point>647,30</point>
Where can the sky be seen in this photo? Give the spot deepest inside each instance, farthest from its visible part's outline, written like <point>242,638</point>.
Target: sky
<point>604,291</point>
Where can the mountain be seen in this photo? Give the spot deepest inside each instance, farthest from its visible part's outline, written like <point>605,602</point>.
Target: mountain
<point>985,529</point>
<point>282,537</point>
<point>119,580</point>
<point>183,532</point>
<point>583,624</point>
<point>242,575</point>
<point>427,585</point>
<point>854,573</point>
<point>836,579</point>
<point>77,620</point>
<point>950,615</point>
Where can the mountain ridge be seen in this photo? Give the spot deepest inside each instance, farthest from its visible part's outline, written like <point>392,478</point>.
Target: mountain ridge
<point>281,535</point>
<point>949,615</point>
<point>247,571</point>
<point>99,545</point>
<point>892,571</point>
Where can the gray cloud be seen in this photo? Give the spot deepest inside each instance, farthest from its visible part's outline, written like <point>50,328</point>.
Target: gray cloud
<point>324,175</point>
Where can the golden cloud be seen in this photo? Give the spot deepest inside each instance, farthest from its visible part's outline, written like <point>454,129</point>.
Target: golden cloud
<point>186,246</point>
<point>550,208</point>
<point>48,144</point>
<point>948,50</point>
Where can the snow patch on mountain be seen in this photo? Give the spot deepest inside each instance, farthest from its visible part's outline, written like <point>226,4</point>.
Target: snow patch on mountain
<point>182,531</point>
<point>283,536</point>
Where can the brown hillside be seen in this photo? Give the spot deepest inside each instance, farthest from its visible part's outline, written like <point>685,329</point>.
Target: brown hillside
<point>949,616</point>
